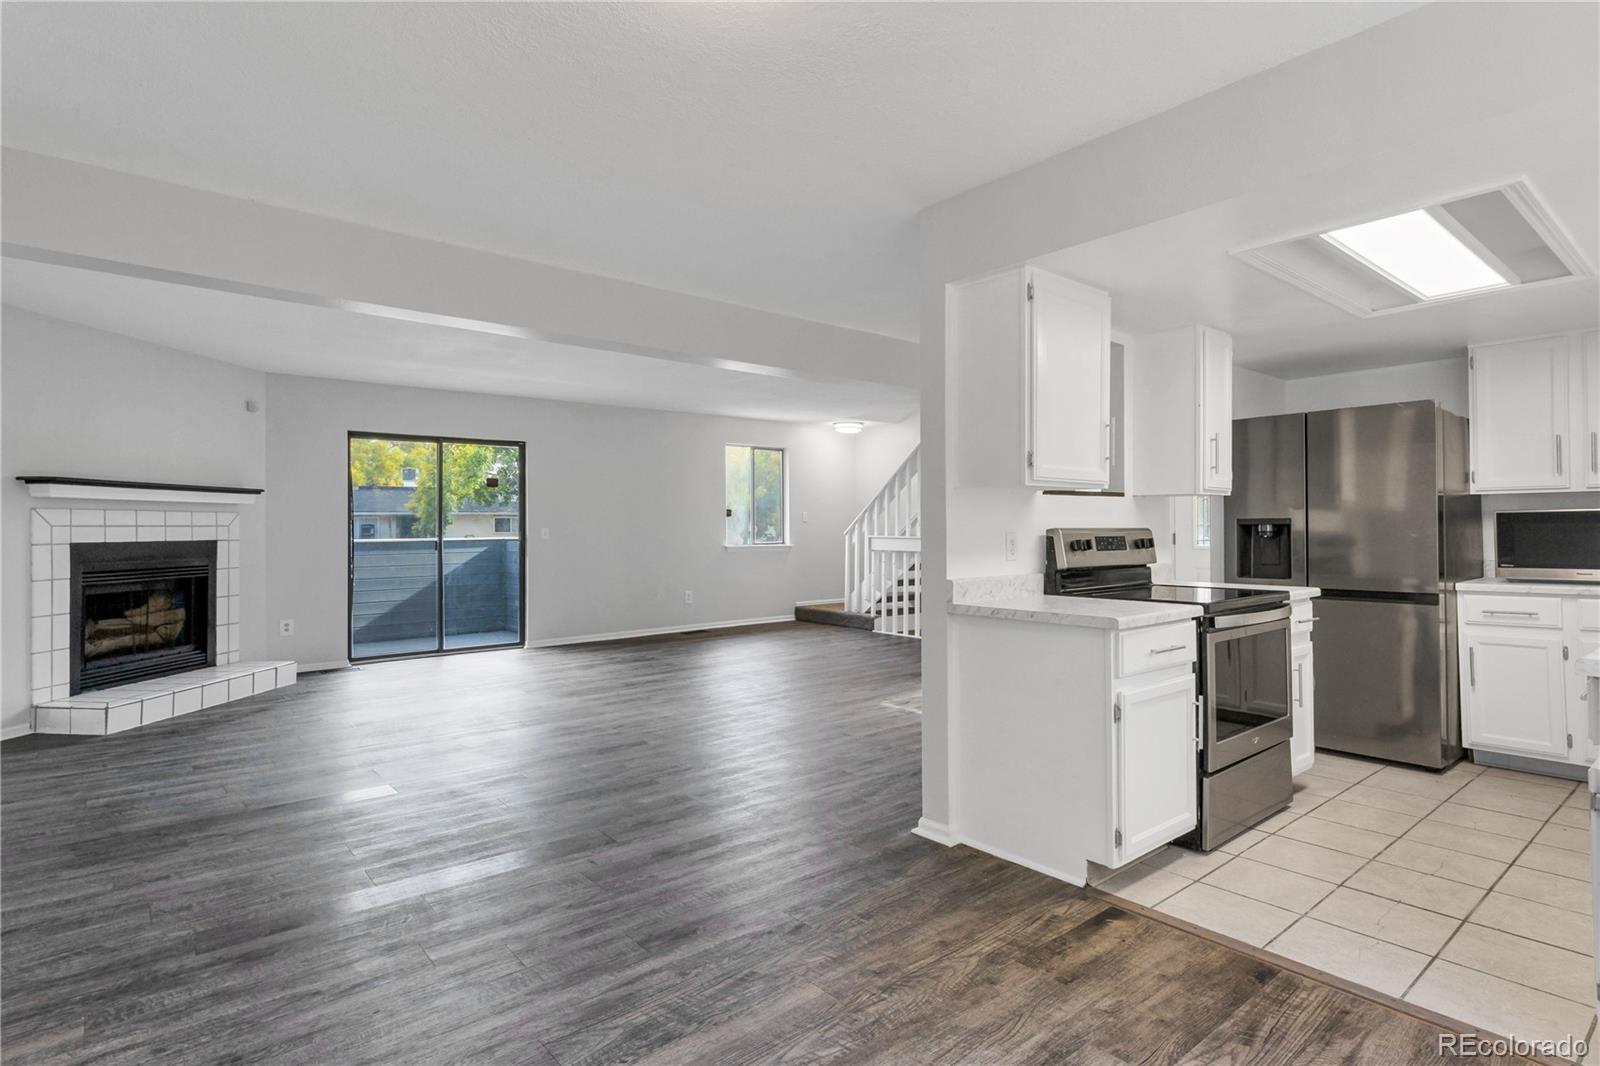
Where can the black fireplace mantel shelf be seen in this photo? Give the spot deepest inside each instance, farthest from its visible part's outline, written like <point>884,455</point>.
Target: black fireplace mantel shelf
<point>51,487</point>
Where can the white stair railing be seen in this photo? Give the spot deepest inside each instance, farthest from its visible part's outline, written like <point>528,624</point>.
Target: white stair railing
<point>883,554</point>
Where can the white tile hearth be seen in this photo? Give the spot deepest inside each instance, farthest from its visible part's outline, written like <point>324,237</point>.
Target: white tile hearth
<point>56,529</point>
<point>112,710</point>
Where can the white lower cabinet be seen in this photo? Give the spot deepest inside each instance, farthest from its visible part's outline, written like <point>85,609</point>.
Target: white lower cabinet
<point>1519,692</point>
<point>1155,741</point>
<point>1303,744</point>
<point>1514,700</point>
<point>1071,744</point>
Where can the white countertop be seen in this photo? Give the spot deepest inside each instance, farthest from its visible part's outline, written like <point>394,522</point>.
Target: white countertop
<point>1528,588</point>
<point>1075,610</point>
<point>1020,597</point>
<point>1296,592</point>
<point>1589,664</point>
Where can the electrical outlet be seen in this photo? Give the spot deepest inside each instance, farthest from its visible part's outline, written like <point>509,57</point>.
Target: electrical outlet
<point>286,627</point>
<point>544,532</point>
<point>1011,545</point>
<point>688,597</point>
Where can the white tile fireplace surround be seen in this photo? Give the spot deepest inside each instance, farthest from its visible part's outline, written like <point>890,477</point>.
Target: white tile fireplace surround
<point>54,531</point>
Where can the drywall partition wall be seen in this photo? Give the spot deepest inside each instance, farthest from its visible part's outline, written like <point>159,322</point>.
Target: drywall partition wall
<point>81,402</point>
<point>1439,75</point>
<point>1255,393</point>
<point>632,500</point>
<point>1443,380</point>
<point>880,450</point>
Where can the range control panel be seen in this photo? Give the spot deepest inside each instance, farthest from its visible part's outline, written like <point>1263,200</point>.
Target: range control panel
<point>1093,549</point>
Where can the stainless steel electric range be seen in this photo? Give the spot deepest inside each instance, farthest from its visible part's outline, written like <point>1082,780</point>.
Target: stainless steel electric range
<point>1244,679</point>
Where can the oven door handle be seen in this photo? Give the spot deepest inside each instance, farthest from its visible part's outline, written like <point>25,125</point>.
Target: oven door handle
<point>1248,618</point>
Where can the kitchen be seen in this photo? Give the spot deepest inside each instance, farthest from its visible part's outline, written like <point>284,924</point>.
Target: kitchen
<point>1359,745</point>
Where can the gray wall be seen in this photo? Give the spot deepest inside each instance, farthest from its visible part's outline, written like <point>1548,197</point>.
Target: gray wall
<point>632,501</point>
<point>79,401</point>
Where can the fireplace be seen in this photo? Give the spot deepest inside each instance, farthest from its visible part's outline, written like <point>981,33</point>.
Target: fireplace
<point>140,609</point>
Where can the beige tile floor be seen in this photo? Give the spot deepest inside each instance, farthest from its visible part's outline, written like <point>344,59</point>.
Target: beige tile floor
<point>1466,892</point>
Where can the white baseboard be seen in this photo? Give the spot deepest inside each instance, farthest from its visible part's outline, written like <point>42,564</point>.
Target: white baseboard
<point>937,832</point>
<point>628,634</point>
<point>11,732</point>
<point>337,664</point>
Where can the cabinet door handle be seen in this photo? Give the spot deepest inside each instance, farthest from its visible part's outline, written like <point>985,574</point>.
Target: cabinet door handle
<point>1108,442</point>
<point>1519,614</point>
<point>1299,685</point>
<point>1169,647</point>
<point>1216,453</point>
<point>1558,453</point>
<point>1594,452</point>
<point>1472,669</point>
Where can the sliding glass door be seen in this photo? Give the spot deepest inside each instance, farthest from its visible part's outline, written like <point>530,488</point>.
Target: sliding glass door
<point>436,545</point>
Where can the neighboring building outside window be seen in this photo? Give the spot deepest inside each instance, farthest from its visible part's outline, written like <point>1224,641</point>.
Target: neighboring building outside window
<point>755,485</point>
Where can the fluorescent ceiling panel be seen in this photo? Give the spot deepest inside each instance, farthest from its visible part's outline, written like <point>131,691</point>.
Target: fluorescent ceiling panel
<point>1419,253</point>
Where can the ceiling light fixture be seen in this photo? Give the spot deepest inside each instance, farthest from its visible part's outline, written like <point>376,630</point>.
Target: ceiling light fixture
<point>1417,252</point>
<point>849,426</point>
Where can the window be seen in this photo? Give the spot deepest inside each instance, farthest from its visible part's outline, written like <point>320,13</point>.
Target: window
<point>1202,521</point>
<point>503,525</point>
<point>753,492</point>
<point>368,531</point>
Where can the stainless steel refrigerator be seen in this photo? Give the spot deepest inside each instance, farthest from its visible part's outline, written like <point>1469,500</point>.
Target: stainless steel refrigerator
<point>1372,505</point>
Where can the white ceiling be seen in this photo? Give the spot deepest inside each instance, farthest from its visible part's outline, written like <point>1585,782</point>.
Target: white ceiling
<point>292,338</point>
<point>1180,270</point>
<point>771,155</point>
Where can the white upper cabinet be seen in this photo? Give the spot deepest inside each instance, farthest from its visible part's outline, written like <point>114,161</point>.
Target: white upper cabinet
<point>1029,382</point>
<point>1069,383</point>
<point>1179,411</point>
<point>1589,443</point>
<point>1523,415</point>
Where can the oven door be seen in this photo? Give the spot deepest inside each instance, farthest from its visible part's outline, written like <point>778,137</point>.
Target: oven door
<point>1247,685</point>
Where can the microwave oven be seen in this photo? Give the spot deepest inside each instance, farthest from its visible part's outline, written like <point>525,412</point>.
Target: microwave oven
<point>1547,545</point>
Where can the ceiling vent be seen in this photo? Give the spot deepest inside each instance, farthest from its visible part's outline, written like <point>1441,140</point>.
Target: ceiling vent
<point>1487,242</point>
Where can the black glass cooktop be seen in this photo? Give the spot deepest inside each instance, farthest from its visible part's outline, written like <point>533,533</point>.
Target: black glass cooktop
<point>1210,599</point>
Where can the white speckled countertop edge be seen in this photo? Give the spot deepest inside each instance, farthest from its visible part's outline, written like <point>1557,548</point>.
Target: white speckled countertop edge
<point>1296,592</point>
<point>1020,597</point>
<point>1589,664</point>
<point>1528,588</point>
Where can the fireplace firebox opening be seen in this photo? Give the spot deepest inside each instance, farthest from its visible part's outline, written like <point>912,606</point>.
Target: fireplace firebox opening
<point>140,610</point>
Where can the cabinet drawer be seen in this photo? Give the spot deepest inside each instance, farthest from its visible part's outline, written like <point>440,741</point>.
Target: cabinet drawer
<point>1588,608</point>
<point>1541,611</point>
<point>1158,648</point>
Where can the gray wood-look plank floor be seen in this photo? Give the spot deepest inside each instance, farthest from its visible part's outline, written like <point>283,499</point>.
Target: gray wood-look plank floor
<point>682,850</point>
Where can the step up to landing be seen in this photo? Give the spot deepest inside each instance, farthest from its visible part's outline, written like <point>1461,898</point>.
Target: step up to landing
<point>112,710</point>
<point>833,614</point>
